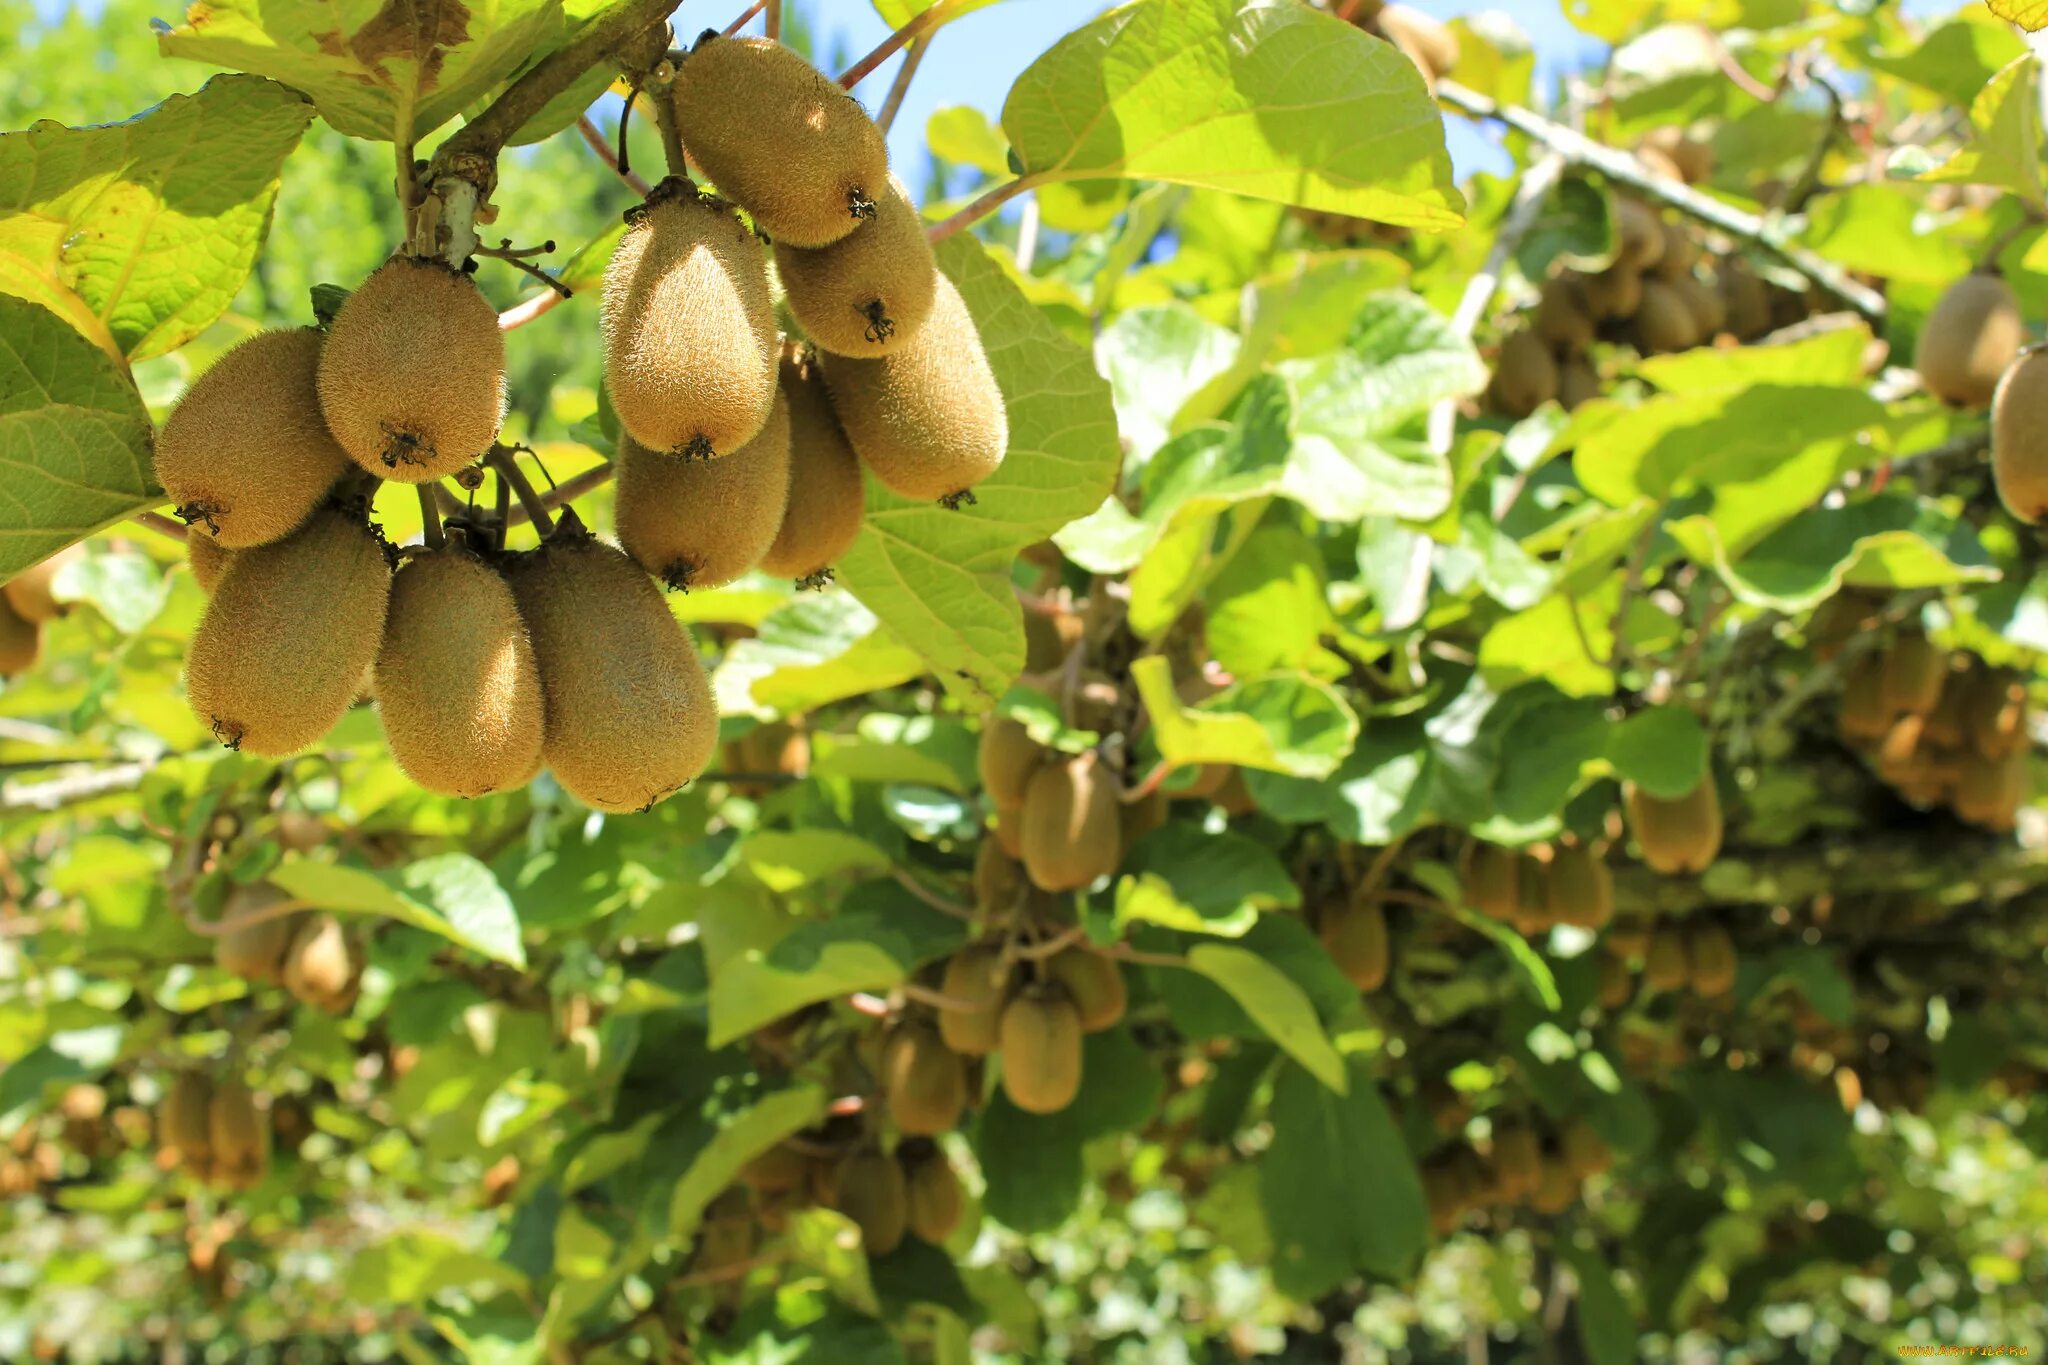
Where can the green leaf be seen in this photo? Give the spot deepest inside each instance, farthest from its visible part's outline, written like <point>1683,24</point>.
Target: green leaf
<point>1876,227</point>
<point>1286,724</point>
<point>1276,1004</point>
<point>856,950</point>
<point>813,649</point>
<point>784,860</point>
<point>1265,608</point>
<point>940,580</point>
<point>1956,58</point>
<point>1377,794</point>
<point>897,13</point>
<point>1662,749</point>
<point>1607,1326</point>
<point>399,70</point>
<point>1340,1191</point>
<point>450,894</point>
<point>961,133</point>
<point>2031,15</point>
<point>139,233</point>
<point>1834,356</point>
<point>1184,878</point>
<point>1156,359</point>
<point>1275,102</point>
<point>415,1265</point>
<point>739,1138</point>
<point>74,439</point>
<point>2005,149</point>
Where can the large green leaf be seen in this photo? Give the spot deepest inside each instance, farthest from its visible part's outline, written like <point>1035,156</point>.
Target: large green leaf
<point>2005,146</point>
<point>736,1139</point>
<point>939,579</point>
<point>1279,1007</point>
<point>139,233</point>
<point>815,648</point>
<point>74,439</point>
<point>855,950</point>
<point>374,69</point>
<point>450,894</point>
<point>1185,878</point>
<point>1286,723</point>
<point>1271,100</point>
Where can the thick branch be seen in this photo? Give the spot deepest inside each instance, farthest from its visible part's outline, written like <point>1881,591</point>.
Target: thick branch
<point>1623,168</point>
<point>77,785</point>
<point>564,492</point>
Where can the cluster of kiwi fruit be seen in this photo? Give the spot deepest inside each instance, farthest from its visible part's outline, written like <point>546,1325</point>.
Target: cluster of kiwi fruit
<point>307,953</point>
<point>27,604</point>
<point>1939,730</point>
<point>1540,886</point>
<point>911,1189</point>
<point>1697,957</point>
<point>1524,1164</point>
<point>213,1128</point>
<point>739,448</point>
<point>1972,351</point>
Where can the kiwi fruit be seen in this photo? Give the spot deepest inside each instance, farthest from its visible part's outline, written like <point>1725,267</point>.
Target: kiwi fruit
<point>1638,235</point>
<point>1658,163</point>
<point>869,292</point>
<point>1354,933</point>
<point>1008,829</point>
<point>1864,715</point>
<point>998,879</point>
<point>1041,1049</point>
<point>457,685</point>
<point>1616,985</point>
<point>1491,881</point>
<point>1072,832</point>
<point>1969,340</point>
<point>1710,959</point>
<point>1094,983</point>
<point>318,967</point>
<point>1676,836</point>
<point>1989,791</point>
<point>776,1171</point>
<point>933,1191</point>
<point>1007,759</point>
<point>1561,317</point>
<point>869,1189</point>
<point>1578,383</point>
<point>1996,714</point>
<point>629,717</point>
<point>255,952</point>
<point>290,633</point>
<point>925,1082</point>
<point>1517,1159</point>
<point>927,419</point>
<point>1525,375</point>
<point>1914,672</point>
<point>1556,1188</point>
<point>1691,159</point>
<point>1681,253</point>
<point>185,1126</point>
<point>2019,449</point>
<point>21,640</point>
<point>690,351</point>
<point>1948,723</point>
<point>1663,322</point>
<point>1578,887</point>
<point>1426,41</point>
<point>1616,292</point>
<point>1899,752</point>
<point>1704,303</point>
<point>239,1139</point>
<point>781,138</point>
<point>1665,965</point>
<point>207,561</point>
<point>1746,300</point>
<point>703,523</point>
<point>975,974</point>
<point>827,498</point>
<point>1585,1153</point>
<point>32,591</point>
<point>245,456</point>
<point>412,378</point>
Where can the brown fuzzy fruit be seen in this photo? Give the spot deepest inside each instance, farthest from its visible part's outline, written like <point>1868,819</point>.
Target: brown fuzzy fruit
<point>207,561</point>
<point>1663,322</point>
<point>1665,966</point>
<point>1577,383</point>
<point>1525,375</point>
<point>1914,673</point>
<point>935,1198</point>
<point>703,523</point>
<point>998,879</point>
<point>1008,758</point>
<point>1354,934</point>
<point>318,967</point>
<point>1578,887</point>
<point>1616,985</point>
<point>1071,832</point>
<point>2019,449</point>
<point>1996,714</point>
<point>1615,292</point>
<point>1518,1160</point>
<point>21,640</point>
<point>869,292</point>
<point>1008,829</point>
<point>1710,959</point>
<point>245,457</point>
<point>255,952</point>
<point>1491,880</point>
<point>781,138</point>
<point>1041,1047</point>
<point>870,1190</point>
<point>1990,791</point>
<point>185,1125</point>
<point>240,1138</point>
<point>290,634</point>
<point>1586,1154</point>
<point>927,419</point>
<point>1139,818</point>
<point>31,592</point>
<point>1864,715</point>
<point>925,1081</point>
<point>1745,299</point>
<point>1676,836</point>
<point>776,1171</point>
<point>457,685</point>
<point>827,497</point>
<point>975,973</point>
<point>1704,303</point>
<point>1638,235</point>
<point>1561,317</point>
<point>690,352</point>
<point>412,378</point>
<point>1970,339</point>
<point>629,714</point>
<point>1094,983</point>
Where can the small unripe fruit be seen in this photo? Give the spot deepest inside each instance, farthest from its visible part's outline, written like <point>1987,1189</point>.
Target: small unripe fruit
<point>31,592</point>
<point>240,1139</point>
<point>1677,836</point>
<point>1972,336</point>
<point>703,523</point>
<point>1518,1159</point>
<point>290,634</point>
<point>998,879</point>
<point>1095,985</point>
<point>1008,758</point>
<point>318,967</point>
<point>185,1125</point>
<point>927,419</point>
<point>871,1191</point>
<point>781,138</point>
<point>412,378</point>
<point>255,952</point>
<point>21,640</point>
<point>827,497</point>
<point>1525,377</point>
<point>1616,292</point>
<point>246,456</point>
<point>629,714</point>
<point>1914,672</point>
<point>2019,437</point>
<point>935,1198</point>
<point>1041,1046</point>
<point>689,328</point>
<point>868,293</point>
<point>1491,881</point>
<point>457,685</point>
<point>1561,317</point>
<point>924,1080</point>
<point>1990,791</point>
<point>1665,965</point>
<point>1663,322</point>
<point>207,561</point>
<point>1071,831</point>
<point>975,974</point>
<point>1355,936</point>
<point>1710,958</point>
<point>1578,888</point>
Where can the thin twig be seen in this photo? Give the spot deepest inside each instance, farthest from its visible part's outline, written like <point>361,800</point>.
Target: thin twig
<point>988,203</point>
<point>162,525</point>
<point>938,1000</point>
<point>568,490</point>
<point>506,464</point>
<point>73,787</point>
<point>772,25</point>
<point>234,924</point>
<point>749,12</point>
<point>736,1270</point>
<point>594,135</point>
<point>932,898</point>
<point>430,518</point>
<point>898,88</point>
<point>1124,952</point>
<point>1045,948</point>
<point>519,314</point>
<point>916,28</point>
<point>1618,653</point>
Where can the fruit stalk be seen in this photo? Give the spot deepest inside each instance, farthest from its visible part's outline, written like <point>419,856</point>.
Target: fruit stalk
<point>982,207</point>
<point>916,28</point>
<point>506,464</point>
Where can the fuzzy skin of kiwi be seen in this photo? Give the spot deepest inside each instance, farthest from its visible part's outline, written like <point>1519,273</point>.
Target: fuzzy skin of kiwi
<point>1681,836</point>
<point>998,878</point>
<point>289,635</point>
<point>1990,791</point>
<point>1746,299</point>
<point>240,1138</point>
<point>1518,1158</point>
<point>924,1080</point>
<point>1008,757</point>
<point>1525,376</point>
<point>1614,293</point>
<point>1094,983</point>
<point>1491,880</point>
<point>1072,833</point>
<point>318,967</point>
<point>936,1201</point>
<point>1577,383</point>
<point>827,497</point>
<point>1578,887</point>
<point>1709,312</point>
<point>457,685</point>
<point>207,561</point>
<point>412,378</point>
<point>185,1125</point>
<point>1664,322</point>
<point>1970,339</point>
<point>1665,964</point>
<point>21,641</point>
<point>245,456</point>
<point>1561,316</point>
<point>1914,673</point>
<point>976,974</point>
<point>629,715</point>
<point>1995,713</point>
<point>1355,936</point>
<point>777,1170</point>
<point>703,523</point>
<point>781,139</point>
<point>31,592</point>
<point>869,1189</point>
<point>1710,959</point>
<point>1616,985</point>
<point>1041,1047</point>
<point>255,952</point>
<point>2019,437</point>
<point>1638,235</point>
<point>689,328</point>
<point>1865,715</point>
<point>928,418</point>
<point>868,293</point>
